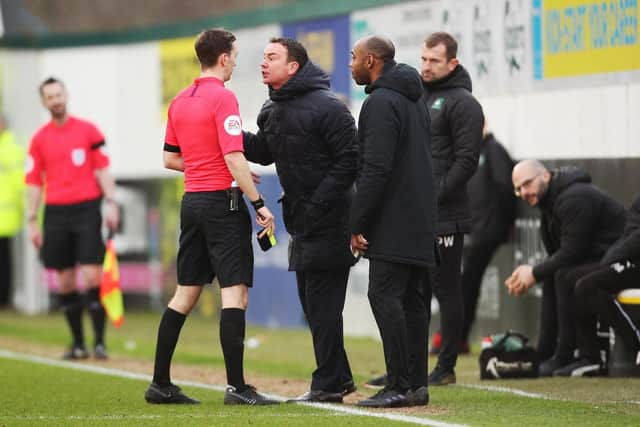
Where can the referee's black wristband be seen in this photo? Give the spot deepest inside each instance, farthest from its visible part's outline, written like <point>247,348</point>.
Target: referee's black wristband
<point>257,204</point>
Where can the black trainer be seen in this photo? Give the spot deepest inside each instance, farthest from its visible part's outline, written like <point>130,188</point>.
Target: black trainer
<point>549,366</point>
<point>582,367</point>
<point>442,376</point>
<point>385,398</point>
<point>76,352</point>
<point>100,352</point>
<point>418,397</point>
<point>318,396</point>
<point>377,382</point>
<point>348,387</point>
<point>167,394</point>
<point>248,396</point>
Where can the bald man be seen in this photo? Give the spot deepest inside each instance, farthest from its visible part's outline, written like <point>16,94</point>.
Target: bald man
<point>393,218</point>
<point>579,223</point>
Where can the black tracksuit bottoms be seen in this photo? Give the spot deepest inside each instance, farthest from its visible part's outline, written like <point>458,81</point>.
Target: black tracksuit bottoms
<point>477,257</point>
<point>397,297</point>
<point>322,295</point>
<point>447,288</point>
<point>596,297</point>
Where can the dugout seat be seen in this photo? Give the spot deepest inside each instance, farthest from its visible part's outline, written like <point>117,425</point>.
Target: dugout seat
<point>622,362</point>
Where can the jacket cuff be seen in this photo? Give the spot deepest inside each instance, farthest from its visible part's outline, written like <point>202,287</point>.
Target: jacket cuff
<point>541,272</point>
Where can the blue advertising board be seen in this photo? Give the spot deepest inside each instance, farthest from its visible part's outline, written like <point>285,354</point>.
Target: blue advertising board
<point>327,42</point>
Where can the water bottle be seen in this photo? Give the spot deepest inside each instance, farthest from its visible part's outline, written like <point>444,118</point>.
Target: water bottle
<point>234,197</point>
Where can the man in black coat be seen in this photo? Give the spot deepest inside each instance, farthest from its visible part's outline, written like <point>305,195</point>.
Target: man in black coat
<point>579,222</point>
<point>310,135</point>
<point>456,136</point>
<point>393,218</point>
<point>493,208</point>
<point>596,293</point>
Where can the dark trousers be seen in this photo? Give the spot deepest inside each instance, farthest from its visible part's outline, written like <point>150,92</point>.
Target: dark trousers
<point>565,283</point>
<point>596,297</point>
<point>445,280</point>
<point>5,270</point>
<point>322,295</point>
<point>397,294</point>
<point>557,297</point>
<point>477,257</point>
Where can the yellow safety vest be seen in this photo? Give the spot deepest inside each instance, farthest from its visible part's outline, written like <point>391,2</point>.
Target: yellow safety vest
<point>11,185</point>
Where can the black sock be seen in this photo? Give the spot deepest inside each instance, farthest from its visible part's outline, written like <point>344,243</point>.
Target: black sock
<point>96,311</point>
<point>71,305</point>
<point>232,330</point>
<point>168,333</point>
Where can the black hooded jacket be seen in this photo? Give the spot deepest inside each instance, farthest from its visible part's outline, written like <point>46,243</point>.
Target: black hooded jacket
<point>311,136</point>
<point>395,203</point>
<point>491,198</point>
<point>627,248</point>
<point>456,136</point>
<point>579,221</point>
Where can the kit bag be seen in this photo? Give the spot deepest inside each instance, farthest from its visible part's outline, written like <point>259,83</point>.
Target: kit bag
<point>507,355</point>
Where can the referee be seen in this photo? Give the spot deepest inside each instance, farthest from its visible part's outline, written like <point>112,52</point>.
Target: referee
<point>67,155</point>
<point>204,140</point>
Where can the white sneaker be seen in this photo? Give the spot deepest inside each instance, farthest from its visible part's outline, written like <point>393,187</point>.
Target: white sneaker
<point>638,359</point>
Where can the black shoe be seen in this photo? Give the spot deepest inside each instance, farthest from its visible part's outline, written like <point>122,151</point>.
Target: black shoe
<point>76,352</point>
<point>348,387</point>
<point>549,366</point>
<point>377,382</point>
<point>385,398</point>
<point>582,367</point>
<point>167,394</point>
<point>248,396</point>
<point>318,396</point>
<point>442,376</point>
<point>418,397</point>
<point>100,352</point>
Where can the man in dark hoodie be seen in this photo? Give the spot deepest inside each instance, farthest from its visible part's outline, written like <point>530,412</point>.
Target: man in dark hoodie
<point>596,297</point>
<point>456,137</point>
<point>311,136</point>
<point>579,223</point>
<point>493,209</point>
<point>393,219</point>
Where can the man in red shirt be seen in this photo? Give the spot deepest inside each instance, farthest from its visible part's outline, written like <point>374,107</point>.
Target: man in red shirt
<point>204,140</point>
<point>66,157</point>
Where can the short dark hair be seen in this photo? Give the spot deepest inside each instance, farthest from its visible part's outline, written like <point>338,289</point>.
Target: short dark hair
<point>212,43</point>
<point>49,81</point>
<point>296,52</point>
<point>381,47</point>
<point>450,44</point>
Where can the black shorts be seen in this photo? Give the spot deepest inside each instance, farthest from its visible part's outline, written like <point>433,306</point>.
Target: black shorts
<point>214,241</point>
<point>72,235</point>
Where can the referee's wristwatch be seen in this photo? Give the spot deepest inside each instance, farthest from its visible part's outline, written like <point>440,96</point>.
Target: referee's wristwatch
<point>258,203</point>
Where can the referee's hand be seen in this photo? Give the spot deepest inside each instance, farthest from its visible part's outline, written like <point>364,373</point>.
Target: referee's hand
<point>265,219</point>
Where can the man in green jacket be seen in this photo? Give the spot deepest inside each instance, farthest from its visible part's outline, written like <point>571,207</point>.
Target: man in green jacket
<point>11,203</point>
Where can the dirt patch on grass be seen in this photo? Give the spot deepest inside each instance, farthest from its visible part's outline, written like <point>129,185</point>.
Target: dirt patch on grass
<point>278,386</point>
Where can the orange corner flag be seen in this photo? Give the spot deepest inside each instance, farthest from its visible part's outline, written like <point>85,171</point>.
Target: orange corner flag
<point>110,293</point>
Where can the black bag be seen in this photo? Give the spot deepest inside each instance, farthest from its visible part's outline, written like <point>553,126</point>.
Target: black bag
<point>509,357</point>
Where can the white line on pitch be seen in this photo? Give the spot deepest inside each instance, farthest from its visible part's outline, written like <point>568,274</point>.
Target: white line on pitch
<point>130,375</point>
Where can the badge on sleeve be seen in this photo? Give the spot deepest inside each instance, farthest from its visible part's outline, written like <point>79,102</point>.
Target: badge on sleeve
<point>78,156</point>
<point>233,125</point>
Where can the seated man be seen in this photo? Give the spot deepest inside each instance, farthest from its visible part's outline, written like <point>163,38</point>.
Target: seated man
<point>596,297</point>
<point>579,223</point>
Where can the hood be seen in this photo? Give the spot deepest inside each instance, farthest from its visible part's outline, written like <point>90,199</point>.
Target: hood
<point>458,78</point>
<point>309,77</point>
<point>561,179</point>
<point>400,78</point>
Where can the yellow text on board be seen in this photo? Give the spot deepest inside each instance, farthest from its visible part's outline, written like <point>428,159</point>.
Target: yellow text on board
<point>590,36</point>
<point>179,67</point>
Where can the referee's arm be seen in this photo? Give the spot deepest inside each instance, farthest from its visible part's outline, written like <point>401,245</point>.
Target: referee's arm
<point>173,161</point>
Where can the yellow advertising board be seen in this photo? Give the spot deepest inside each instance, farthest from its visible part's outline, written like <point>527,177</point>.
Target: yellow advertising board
<point>179,67</point>
<point>578,37</point>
